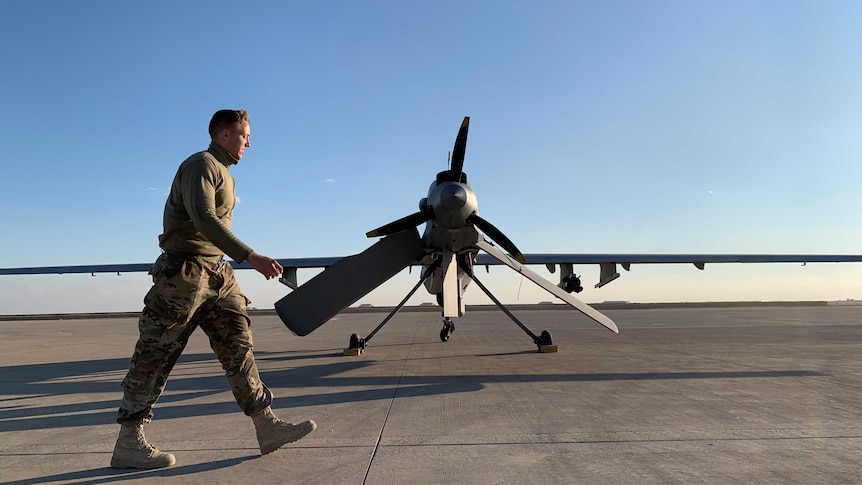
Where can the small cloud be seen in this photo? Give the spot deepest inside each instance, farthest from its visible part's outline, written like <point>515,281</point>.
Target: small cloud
<point>158,190</point>
<point>330,181</point>
<point>238,199</point>
<point>710,192</point>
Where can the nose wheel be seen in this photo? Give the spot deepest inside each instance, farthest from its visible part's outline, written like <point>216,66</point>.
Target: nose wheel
<point>448,328</point>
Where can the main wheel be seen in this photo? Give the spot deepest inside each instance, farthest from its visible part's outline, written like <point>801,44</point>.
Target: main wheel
<point>448,328</point>
<point>545,338</point>
<point>354,341</point>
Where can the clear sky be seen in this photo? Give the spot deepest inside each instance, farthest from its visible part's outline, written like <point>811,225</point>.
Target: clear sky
<point>596,127</point>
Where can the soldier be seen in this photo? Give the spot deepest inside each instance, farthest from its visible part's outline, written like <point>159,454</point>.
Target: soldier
<point>193,286</point>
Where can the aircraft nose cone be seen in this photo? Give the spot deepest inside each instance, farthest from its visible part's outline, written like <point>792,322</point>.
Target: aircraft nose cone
<point>453,197</point>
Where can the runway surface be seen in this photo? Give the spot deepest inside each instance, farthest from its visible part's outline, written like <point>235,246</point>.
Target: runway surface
<point>681,395</point>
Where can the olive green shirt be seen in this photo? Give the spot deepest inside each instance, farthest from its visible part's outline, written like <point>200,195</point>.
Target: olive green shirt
<point>199,209</point>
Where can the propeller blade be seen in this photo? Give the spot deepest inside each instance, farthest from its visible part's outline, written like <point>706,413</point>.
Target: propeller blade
<point>497,236</point>
<point>345,282</point>
<point>402,224</point>
<point>458,151</point>
<point>551,288</point>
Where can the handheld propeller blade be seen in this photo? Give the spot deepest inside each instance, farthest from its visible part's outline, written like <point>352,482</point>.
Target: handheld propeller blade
<point>497,236</point>
<point>403,224</point>
<point>458,152</point>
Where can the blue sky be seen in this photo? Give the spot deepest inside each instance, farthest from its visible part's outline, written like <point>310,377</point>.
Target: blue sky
<point>596,127</point>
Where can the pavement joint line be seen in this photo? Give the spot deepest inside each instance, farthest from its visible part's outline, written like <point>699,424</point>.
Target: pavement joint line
<point>476,443</point>
<point>389,408</point>
<point>598,442</point>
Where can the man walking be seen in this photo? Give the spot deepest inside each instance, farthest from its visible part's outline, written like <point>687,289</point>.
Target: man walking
<point>193,286</point>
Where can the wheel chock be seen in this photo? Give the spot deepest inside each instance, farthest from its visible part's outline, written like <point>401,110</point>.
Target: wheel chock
<point>352,351</point>
<point>547,349</point>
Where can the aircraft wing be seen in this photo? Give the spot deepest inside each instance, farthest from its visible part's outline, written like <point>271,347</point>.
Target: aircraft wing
<point>290,266</point>
<point>608,262</point>
<point>93,268</point>
<point>139,267</point>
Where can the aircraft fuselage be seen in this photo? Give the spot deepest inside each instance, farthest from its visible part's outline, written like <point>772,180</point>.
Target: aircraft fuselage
<point>448,234</point>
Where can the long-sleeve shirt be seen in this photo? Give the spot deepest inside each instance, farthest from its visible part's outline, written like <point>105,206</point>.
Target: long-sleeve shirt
<point>199,209</point>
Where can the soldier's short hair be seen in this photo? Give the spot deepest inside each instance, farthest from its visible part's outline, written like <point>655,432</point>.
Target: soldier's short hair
<point>224,118</point>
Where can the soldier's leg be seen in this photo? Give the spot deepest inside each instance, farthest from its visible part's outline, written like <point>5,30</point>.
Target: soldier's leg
<point>165,326</point>
<point>230,337</point>
<point>160,344</point>
<point>229,329</point>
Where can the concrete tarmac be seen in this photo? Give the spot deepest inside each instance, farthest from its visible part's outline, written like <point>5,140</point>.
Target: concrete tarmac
<point>681,395</point>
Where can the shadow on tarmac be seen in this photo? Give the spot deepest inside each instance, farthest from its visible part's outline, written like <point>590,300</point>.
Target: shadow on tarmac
<point>104,376</point>
<point>111,475</point>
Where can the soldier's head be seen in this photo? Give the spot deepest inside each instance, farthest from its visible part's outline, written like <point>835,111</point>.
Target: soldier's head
<point>229,128</point>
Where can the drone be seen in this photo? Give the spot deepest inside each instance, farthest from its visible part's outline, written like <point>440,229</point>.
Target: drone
<point>448,251</point>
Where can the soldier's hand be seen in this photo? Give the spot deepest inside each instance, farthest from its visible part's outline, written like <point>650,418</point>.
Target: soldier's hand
<point>264,265</point>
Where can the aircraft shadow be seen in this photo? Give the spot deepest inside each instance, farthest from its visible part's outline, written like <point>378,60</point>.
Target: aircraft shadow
<point>49,381</point>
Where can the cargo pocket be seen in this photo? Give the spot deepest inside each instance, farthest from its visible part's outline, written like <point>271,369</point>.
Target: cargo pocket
<point>231,298</point>
<point>236,303</point>
<point>175,288</point>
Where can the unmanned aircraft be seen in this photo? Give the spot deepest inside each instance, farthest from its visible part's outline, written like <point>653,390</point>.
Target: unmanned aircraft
<point>448,252</point>
<point>452,246</point>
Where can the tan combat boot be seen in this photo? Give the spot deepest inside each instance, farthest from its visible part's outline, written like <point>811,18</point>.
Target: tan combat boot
<point>133,451</point>
<point>272,432</point>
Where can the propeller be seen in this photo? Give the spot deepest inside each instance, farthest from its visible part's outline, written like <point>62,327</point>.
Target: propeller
<point>497,236</point>
<point>413,220</point>
<point>345,282</point>
<point>457,167</point>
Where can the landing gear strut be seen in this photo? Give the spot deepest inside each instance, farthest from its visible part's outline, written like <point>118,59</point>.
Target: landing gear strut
<point>357,345</point>
<point>543,341</point>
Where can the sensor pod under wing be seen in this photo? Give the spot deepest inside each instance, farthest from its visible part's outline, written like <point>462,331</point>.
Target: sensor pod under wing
<point>345,282</point>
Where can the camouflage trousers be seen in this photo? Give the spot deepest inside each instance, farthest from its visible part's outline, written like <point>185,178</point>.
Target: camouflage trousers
<point>191,292</point>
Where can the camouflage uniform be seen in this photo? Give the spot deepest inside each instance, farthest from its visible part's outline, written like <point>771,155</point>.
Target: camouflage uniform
<point>193,290</point>
<point>189,292</point>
